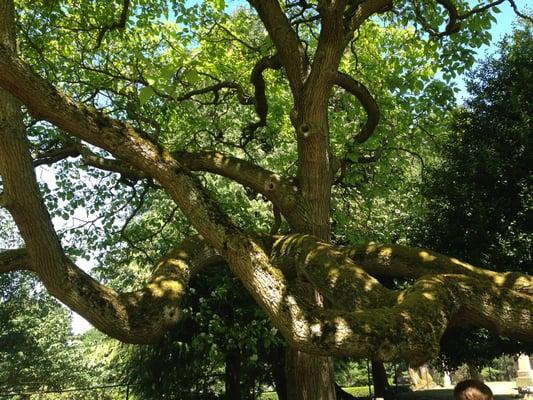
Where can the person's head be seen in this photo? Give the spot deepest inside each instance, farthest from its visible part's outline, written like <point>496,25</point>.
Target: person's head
<point>472,389</point>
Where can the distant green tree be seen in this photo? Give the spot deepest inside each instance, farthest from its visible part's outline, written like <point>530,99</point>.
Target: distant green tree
<point>479,196</point>
<point>37,348</point>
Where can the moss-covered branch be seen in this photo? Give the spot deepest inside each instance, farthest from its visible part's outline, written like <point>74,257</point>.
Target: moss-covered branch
<point>365,319</point>
<point>412,262</point>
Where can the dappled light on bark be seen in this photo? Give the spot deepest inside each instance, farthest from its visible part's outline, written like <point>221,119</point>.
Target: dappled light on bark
<point>326,299</point>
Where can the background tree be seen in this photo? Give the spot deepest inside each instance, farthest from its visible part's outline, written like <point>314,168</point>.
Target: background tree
<point>37,349</point>
<point>226,342</point>
<point>479,193</point>
<point>118,73</point>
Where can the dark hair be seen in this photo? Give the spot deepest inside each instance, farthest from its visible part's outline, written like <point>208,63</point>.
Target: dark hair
<point>472,389</point>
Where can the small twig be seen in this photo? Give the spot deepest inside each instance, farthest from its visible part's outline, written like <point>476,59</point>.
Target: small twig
<point>121,24</point>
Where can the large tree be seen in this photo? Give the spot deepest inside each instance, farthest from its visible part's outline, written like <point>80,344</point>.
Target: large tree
<point>92,94</point>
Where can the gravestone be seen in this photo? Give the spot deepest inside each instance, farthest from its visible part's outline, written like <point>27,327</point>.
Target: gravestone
<point>447,379</point>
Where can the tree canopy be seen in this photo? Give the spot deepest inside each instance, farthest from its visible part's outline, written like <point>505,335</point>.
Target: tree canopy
<point>255,131</point>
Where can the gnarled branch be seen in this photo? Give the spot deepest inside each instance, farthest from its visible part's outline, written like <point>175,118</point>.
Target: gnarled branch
<point>260,100</point>
<point>394,260</point>
<point>410,322</point>
<point>358,90</point>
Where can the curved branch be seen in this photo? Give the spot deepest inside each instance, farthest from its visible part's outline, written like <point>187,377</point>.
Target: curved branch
<point>88,158</point>
<point>521,15</point>
<point>291,52</point>
<point>241,96</point>
<point>275,188</point>
<point>120,139</point>
<point>120,24</point>
<point>135,317</point>
<point>358,90</point>
<point>368,319</point>
<point>260,100</point>
<point>455,18</point>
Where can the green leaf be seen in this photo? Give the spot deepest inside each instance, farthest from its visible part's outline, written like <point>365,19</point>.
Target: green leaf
<point>219,5</point>
<point>145,94</point>
<point>168,72</point>
<point>192,76</point>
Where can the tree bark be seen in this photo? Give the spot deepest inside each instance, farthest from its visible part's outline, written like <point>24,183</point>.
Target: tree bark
<point>379,376</point>
<point>277,363</point>
<point>233,374</point>
<point>309,377</point>
<point>342,319</point>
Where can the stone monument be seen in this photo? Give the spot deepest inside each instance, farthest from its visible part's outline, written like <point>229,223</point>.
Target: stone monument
<point>524,375</point>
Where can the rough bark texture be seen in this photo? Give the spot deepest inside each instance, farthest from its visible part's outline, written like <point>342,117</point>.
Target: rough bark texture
<point>233,375</point>
<point>379,376</point>
<point>324,299</point>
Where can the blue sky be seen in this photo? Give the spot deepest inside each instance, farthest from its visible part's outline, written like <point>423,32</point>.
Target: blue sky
<point>504,25</point>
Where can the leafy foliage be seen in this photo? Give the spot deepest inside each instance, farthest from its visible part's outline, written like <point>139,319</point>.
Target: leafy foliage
<point>479,195</point>
<point>37,349</point>
<point>219,318</point>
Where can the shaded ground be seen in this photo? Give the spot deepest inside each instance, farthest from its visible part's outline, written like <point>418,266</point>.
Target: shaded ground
<point>501,390</point>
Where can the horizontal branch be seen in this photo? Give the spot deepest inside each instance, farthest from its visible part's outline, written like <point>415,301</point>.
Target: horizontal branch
<point>14,260</point>
<point>241,95</point>
<point>368,320</point>
<point>88,158</point>
<point>411,262</point>
<point>55,155</point>
<point>275,188</point>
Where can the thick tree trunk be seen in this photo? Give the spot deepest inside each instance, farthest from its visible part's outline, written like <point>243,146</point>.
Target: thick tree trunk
<point>233,375</point>
<point>381,384</point>
<point>309,377</point>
